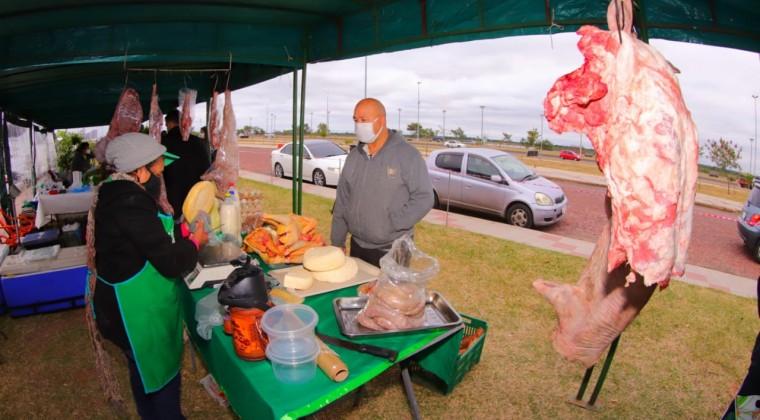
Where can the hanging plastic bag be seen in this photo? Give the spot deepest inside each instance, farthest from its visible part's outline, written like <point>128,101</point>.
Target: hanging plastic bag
<point>187,104</point>
<point>224,169</point>
<point>398,300</point>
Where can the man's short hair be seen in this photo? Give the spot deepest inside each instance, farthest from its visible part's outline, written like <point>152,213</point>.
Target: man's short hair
<point>173,116</point>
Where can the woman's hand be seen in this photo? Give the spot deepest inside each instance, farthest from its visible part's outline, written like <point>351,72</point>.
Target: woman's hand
<point>198,234</point>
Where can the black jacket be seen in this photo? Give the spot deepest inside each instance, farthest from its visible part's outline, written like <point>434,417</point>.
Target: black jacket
<point>127,233</point>
<point>81,162</point>
<point>185,172</point>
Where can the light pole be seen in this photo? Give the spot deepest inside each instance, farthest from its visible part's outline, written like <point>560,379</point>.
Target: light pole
<point>399,120</point>
<point>267,127</point>
<point>444,125</point>
<point>418,110</point>
<point>754,166</point>
<point>311,123</point>
<point>751,154</point>
<point>327,110</point>
<point>541,140</point>
<point>482,138</point>
<point>274,124</point>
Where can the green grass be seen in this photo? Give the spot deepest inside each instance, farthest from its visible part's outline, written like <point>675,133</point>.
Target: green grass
<point>683,357</point>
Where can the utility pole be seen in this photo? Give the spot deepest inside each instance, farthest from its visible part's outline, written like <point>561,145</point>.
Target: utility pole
<point>327,110</point>
<point>482,136</point>
<point>418,110</point>
<point>444,125</point>
<point>399,120</point>
<point>754,165</point>
<point>541,140</point>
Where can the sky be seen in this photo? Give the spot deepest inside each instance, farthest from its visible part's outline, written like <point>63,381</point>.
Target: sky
<point>510,78</point>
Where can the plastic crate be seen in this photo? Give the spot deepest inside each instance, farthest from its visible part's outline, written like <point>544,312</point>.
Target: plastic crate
<point>443,365</point>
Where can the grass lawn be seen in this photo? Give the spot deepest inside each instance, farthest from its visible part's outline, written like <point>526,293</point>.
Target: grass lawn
<point>684,356</point>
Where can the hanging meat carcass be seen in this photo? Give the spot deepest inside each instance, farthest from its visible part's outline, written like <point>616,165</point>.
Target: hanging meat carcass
<point>187,104</point>
<point>214,131</point>
<point>127,118</point>
<point>627,100</point>
<point>156,117</point>
<point>224,169</point>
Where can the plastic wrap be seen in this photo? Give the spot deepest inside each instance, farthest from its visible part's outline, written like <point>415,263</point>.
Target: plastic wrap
<point>127,118</point>
<point>214,131</point>
<point>208,313</point>
<point>398,299</point>
<point>224,169</point>
<point>156,117</point>
<point>187,104</point>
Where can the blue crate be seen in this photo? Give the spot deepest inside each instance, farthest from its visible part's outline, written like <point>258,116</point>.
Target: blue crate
<point>48,291</point>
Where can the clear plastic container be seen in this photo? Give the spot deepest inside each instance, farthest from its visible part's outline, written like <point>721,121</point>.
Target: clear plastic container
<point>294,360</point>
<point>289,321</point>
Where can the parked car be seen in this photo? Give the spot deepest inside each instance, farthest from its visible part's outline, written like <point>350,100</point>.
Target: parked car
<point>743,183</point>
<point>437,139</point>
<point>748,222</point>
<point>323,161</point>
<point>453,143</point>
<point>493,181</point>
<point>569,154</point>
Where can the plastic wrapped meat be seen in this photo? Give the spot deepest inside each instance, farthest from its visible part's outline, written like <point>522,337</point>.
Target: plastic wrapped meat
<point>214,132</point>
<point>224,169</point>
<point>156,117</point>
<point>187,104</point>
<point>127,118</point>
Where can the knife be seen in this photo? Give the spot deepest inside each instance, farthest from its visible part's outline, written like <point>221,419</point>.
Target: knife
<point>383,352</point>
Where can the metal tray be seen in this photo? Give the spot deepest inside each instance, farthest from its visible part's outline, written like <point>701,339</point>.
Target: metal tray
<point>439,315</point>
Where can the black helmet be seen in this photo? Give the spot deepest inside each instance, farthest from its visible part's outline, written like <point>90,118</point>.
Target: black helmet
<point>246,288</point>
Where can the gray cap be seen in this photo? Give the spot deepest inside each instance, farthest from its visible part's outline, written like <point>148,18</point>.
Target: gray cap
<point>131,151</point>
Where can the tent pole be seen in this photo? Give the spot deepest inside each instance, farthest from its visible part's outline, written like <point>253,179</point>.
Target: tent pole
<point>297,149</point>
<point>301,130</point>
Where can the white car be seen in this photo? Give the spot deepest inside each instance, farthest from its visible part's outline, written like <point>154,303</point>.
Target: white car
<point>453,143</point>
<point>323,161</point>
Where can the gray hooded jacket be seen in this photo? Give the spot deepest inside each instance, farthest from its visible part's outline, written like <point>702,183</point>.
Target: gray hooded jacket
<point>381,198</point>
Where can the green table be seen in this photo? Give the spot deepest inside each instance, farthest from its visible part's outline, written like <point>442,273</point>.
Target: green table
<point>254,392</point>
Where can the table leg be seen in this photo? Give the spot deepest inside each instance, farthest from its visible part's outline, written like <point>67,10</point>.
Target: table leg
<point>409,390</point>
<point>358,396</point>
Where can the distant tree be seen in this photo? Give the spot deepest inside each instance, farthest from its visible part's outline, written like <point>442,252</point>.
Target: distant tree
<point>412,128</point>
<point>458,133</point>
<point>725,155</point>
<point>531,140</point>
<point>322,130</point>
<point>427,132</point>
<point>64,149</point>
<point>507,136</point>
<point>547,145</point>
<point>258,131</point>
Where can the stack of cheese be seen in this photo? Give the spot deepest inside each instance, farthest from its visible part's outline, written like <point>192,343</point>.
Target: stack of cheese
<point>326,263</point>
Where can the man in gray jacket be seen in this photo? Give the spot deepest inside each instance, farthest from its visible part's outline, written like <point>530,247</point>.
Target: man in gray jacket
<point>384,188</point>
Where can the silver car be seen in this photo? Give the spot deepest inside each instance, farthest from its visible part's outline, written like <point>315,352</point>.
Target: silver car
<point>323,161</point>
<point>495,182</point>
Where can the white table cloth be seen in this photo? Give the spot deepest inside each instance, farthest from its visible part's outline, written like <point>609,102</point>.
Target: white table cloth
<point>50,205</point>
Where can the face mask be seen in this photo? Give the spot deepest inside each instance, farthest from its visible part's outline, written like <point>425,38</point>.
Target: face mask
<point>366,133</point>
<point>153,185</point>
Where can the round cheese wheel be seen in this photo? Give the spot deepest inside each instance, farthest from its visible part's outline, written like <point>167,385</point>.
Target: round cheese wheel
<point>342,274</point>
<point>298,278</point>
<point>323,258</point>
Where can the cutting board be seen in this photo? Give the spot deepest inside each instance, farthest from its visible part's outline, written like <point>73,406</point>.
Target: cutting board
<point>367,272</point>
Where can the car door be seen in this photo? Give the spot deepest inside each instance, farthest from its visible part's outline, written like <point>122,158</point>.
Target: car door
<point>286,159</point>
<point>447,177</point>
<point>478,191</point>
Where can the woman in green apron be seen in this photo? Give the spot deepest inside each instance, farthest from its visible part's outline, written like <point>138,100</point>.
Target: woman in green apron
<point>137,262</point>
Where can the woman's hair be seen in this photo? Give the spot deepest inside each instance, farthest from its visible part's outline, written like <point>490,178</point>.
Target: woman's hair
<point>83,146</point>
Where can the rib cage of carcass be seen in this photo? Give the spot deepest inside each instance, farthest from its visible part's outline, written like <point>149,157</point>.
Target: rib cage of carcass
<point>627,100</point>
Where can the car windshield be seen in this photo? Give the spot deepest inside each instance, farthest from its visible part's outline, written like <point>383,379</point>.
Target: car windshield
<point>514,168</point>
<point>754,197</point>
<point>324,149</point>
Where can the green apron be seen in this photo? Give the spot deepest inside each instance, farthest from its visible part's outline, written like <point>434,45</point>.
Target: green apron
<point>149,305</point>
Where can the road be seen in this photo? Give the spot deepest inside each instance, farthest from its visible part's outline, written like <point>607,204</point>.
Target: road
<point>715,242</point>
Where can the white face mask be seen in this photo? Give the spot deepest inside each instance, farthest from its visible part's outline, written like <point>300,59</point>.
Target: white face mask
<point>366,133</point>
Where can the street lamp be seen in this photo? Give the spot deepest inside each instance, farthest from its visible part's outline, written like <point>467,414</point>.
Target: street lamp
<point>751,154</point>
<point>482,138</point>
<point>399,120</point>
<point>311,123</point>
<point>327,110</point>
<point>267,127</point>
<point>274,124</point>
<point>444,125</point>
<point>754,165</point>
<point>541,140</point>
<point>418,111</point>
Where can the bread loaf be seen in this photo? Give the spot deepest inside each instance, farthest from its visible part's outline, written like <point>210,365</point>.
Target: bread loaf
<point>298,278</point>
<point>324,258</point>
<point>342,274</point>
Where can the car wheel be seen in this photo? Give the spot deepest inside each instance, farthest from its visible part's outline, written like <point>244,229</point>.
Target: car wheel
<point>520,215</point>
<point>278,172</point>
<point>318,178</point>
<point>757,252</point>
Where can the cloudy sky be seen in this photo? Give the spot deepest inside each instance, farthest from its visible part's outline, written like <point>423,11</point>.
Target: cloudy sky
<point>510,77</point>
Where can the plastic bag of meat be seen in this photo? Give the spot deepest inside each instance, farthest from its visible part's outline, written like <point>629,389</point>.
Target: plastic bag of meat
<point>398,300</point>
<point>127,118</point>
<point>224,169</point>
<point>187,105</point>
<point>156,117</point>
<point>214,131</point>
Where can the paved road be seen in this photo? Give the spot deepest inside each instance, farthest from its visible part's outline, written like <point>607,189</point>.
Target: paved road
<point>715,243</point>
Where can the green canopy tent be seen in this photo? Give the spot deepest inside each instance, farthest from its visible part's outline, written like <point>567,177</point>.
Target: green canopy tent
<point>64,64</point>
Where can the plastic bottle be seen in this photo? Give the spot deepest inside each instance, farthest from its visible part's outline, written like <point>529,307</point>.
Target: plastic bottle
<point>232,191</point>
<point>229,213</point>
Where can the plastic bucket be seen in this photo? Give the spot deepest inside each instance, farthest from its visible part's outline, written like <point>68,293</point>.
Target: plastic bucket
<point>289,321</point>
<point>294,361</point>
